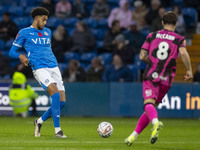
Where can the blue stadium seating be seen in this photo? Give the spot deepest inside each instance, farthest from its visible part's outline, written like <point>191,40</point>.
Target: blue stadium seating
<point>177,3</point>
<point>28,10</point>
<point>103,23</point>
<point>106,58</point>
<point>14,62</point>
<point>3,9</point>
<point>27,3</point>
<point>87,57</point>
<point>190,16</point>
<point>99,44</point>
<point>8,44</point>
<point>62,67</point>
<point>134,68</point>
<point>70,31</point>
<point>53,22</point>
<point>71,55</point>
<point>90,22</point>
<point>16,11</point>
<point>22,22</point>
<point>70,22</point>
<point>139,63</point>
<point>9,2</point>
<point>98,34</point>
<point>2,45</point>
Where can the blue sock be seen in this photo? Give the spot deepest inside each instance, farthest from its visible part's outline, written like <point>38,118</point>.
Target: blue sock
<point>55,108</point>
<point>48,113</point>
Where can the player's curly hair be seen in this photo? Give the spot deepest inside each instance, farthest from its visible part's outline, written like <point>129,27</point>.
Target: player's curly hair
<point>39,11</point>
<point>170,18</point>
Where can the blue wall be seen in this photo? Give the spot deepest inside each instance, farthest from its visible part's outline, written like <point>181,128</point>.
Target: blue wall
<point>116,99</point>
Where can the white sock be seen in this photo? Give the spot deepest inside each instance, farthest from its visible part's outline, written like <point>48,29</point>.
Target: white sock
<point>57,129</point>
<point>154,121</point>
<point>135,134</point>
<point>40,120</point>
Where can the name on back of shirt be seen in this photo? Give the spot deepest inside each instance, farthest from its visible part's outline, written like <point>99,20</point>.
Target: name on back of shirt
<point>165,36</point>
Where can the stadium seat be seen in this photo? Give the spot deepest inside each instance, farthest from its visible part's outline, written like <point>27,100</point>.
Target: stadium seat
<point>70,31</point>
<point>2,45</point>
<point>70,22</point>
<point>90,22</point>
<point>53,22</point>
<point>14,62</point>
<point>8,44</point>
<point>178,3</point>
<point>9,2</point>
<point>106,58</point>
<point>135,69</point>
<point>16,11</point>
<point>28,10</point>
<point>22,22</point>
<point>99,44</point>
<point>87,57</point>
<point>62,67</point>
<point>70,55</point>
<point>139,63</point>
<point>98,34</point>
<point>27,3</point>
<point>3,9</point>
<point>103,23</point>
<point>190,16</point>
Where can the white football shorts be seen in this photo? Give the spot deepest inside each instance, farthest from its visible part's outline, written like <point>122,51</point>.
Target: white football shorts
<point>47,76</point>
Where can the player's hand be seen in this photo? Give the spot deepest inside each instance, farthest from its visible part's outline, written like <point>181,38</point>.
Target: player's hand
<point>24,59</point>
<point>188,75</point>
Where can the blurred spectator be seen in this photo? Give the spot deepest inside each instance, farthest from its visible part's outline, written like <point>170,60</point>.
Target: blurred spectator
<point>153,12</point>
<point>135,38</point>
<point>5,68</point>
<point>74,73</point>
<point>79,9</point>
<point>109,37</point>
<point>157,23</point>
<point>123,14</point>
<point>123,49</point>
<point>100,10</point>
<point>196,77</point>
<point>139,14</point>
<point>59,43</point>
<point>117,72</point>
<point>96,70</point>
<point>63,9</point>
<point>82,39</point>
<point>8,29</point>
<point>180,28</point>
<point>49,5</point>
<point>26,70</point>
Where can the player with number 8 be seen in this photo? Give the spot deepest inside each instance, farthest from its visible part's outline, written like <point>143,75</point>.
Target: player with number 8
<point>160,51</point>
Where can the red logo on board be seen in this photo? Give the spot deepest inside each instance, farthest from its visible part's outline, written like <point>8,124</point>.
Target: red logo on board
<point>16,36</point>
<point>40,34</point>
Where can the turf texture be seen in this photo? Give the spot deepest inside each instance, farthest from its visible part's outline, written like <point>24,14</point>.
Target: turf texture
<point>17,134</point>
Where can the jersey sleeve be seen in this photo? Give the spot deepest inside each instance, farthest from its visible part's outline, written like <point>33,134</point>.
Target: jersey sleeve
<point>147,42</point>
<point>182,42</point>
<point>19,40</point>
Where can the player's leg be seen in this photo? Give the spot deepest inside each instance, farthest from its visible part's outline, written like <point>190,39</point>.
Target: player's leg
<point>158,124</point>
<point>149,92</point>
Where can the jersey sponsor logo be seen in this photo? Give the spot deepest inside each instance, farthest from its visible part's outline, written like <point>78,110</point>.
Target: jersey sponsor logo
<point>47,80</point>
<point>165,36</point>
<point>155,75</point>
<point>41,41</point>
<point>40,34</point>
<point>45,33</point>
<point>148,92</point>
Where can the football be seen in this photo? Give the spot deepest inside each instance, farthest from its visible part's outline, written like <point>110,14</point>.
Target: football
<point>105,129</point>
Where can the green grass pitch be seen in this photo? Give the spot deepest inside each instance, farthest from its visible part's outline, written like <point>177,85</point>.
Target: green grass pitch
<point>17,134</point>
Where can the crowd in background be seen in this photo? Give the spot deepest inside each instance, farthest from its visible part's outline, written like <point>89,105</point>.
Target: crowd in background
<point>123,38</point>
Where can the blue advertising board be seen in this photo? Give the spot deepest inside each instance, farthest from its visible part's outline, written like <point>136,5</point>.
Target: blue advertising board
<point>114,99</point>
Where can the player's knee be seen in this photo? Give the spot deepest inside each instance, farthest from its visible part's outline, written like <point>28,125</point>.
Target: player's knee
<point>62,104</point>
<point>52,89</point>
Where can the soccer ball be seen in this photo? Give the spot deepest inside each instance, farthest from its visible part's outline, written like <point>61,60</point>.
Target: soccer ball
<point>105,129</point>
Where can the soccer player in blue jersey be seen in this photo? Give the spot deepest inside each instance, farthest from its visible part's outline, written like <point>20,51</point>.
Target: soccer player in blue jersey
<point>36,40</point>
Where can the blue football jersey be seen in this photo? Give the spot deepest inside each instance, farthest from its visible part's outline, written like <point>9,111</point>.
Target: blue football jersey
<point>37,44</point>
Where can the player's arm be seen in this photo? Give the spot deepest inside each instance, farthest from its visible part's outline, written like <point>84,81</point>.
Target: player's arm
<point>186,61</point>
<point>144,56</point>
<point>17,45</point>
